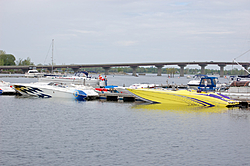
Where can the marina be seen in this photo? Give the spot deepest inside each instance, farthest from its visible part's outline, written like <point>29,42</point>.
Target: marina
<point>124,83</point>
<point>75,86</point>
<point>55,131</point>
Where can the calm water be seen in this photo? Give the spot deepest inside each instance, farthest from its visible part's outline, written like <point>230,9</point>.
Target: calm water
<point>65,132</point>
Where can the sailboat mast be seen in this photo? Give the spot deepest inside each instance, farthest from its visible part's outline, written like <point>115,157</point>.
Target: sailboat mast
<point>52,54</point>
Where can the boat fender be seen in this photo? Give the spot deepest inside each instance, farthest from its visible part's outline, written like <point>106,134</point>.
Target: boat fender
<point>198,91</point>
<point>246,83</point>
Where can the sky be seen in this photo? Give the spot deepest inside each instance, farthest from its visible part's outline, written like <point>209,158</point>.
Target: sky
<point>125,31</point>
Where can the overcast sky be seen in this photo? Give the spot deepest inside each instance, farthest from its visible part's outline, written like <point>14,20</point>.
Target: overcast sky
<point>122,31</point>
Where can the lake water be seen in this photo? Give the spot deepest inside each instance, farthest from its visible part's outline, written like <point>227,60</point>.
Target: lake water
<point>66,132</point>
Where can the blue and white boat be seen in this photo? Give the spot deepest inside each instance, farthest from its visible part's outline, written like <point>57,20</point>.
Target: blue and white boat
<point>194,83</point>
<point>56,90</point>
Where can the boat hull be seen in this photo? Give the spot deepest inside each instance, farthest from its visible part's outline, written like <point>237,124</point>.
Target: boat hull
<point>44,91</point>
<point>183,97</point>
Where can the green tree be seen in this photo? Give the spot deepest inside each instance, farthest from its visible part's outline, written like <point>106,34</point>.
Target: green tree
<point>1,62</point>
<point>25,62</point>
<point>7,59</point>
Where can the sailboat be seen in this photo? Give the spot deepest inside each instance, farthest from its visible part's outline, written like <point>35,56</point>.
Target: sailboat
<point>79,78</point>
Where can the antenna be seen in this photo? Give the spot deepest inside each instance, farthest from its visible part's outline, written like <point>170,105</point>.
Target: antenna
<point>52,54</point>
<point>234,60</point>
<point>241,66</point>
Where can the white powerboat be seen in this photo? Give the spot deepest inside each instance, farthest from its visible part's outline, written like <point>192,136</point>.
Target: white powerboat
<point>78,78</point>
<point>193,84</point>
<point>55,90</point>
<point>142,85</point>
<point>124,91</point>
<point>6,89</point>
<point>33,73</point>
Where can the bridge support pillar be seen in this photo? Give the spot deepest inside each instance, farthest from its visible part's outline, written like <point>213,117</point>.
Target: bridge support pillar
<point>221,69</point>
<point>246,67</point>
<point>159,67</point>
<point>182,69</point>
<point>202,68</point>
<point>25,70</point>
<point>75,69</point>
<point>134,70</point>
<point>106,70</point>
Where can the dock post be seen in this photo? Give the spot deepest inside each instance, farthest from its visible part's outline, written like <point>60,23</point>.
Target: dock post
<point>221,69</point>
<point>182,69</point>
<point>134,70</point>
<point>24,70</point>
<point>75,69</point>
<point>106,70</point>
<point>159,67</point>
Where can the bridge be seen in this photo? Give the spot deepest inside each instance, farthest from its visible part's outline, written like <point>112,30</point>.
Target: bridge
<point>134,66</point>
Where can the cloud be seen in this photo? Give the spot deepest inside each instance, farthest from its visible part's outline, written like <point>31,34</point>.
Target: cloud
<point>126,43</point>
<point>211,32</point>
<point>152,29</point>
<point>82,31</point>
<point>180,4</point>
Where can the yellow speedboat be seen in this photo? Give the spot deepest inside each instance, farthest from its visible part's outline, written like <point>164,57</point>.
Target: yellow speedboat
<point>184,97</point>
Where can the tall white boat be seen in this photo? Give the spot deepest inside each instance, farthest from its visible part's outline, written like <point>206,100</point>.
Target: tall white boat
<point>194,83</point>
<point>33,73</point>
<point>56,90</point>
<point>79,78</point>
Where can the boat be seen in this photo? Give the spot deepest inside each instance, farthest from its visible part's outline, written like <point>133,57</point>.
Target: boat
<point>205,96</point>
<point>124,91</point>
<point>55,90</point>
<point>143,85</point>
<point>194,83</point>
<point>184,97</point>
<point>6,89</point>
<point>33,73</point>
<point>79,78</point>
<point>239,90</point>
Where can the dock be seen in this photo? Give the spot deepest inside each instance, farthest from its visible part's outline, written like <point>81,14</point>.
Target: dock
<point>117,97</point>
<point>13,76</point>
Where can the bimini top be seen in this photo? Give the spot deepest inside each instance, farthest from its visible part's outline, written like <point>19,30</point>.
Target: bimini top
<point>208,83</point>
<point>80,72</point>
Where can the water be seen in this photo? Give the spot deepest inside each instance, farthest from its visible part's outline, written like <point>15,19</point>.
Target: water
<point>67,132</point>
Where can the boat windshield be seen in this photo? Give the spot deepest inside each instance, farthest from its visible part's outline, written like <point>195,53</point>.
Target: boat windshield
<point>208,82</point>
<point>199,76</point>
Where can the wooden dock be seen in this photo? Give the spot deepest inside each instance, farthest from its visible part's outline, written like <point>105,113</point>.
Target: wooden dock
<point>117,97</point>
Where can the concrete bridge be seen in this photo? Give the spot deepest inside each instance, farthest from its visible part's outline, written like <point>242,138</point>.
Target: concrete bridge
<point>134,66</point>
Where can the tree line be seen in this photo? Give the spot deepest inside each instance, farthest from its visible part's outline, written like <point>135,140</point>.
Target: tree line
<point>10,60</point>
<point>170,71</point>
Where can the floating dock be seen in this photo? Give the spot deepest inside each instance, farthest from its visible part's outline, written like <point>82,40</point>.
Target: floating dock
<point>117,97</point>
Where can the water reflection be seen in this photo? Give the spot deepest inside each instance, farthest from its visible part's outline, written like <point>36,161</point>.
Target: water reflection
<point>240,114</point>
<point>180,108</point>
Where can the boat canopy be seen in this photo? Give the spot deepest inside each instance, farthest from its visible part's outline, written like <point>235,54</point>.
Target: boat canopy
<point>208,84</point>
<point>80,72</point>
